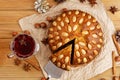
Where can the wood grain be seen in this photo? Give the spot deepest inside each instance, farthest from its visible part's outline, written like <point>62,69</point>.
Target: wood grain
<point>12,17</point>
<point>10,12</point>
<point>21,4</point>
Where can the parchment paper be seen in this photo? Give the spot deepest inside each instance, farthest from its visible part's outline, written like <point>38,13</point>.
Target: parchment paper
<point>100,64</point>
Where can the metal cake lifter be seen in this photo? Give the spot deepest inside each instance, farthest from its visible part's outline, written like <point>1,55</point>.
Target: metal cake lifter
<point>52,70</point>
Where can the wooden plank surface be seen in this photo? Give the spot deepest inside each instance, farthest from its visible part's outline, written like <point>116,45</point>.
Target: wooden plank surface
<point>10,12</point>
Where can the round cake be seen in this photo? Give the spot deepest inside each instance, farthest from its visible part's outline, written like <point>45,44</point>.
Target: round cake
<point>75,38</point>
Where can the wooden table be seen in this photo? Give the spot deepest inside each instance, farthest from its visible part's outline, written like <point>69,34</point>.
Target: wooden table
<point>10,12</point>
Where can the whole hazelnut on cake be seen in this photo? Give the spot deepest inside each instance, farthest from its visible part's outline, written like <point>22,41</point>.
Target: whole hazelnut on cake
<point>75,38</point>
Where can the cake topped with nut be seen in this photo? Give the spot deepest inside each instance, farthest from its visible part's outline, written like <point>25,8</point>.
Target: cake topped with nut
<point>75,38</point>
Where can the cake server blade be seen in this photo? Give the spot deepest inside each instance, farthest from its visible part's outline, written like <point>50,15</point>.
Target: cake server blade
<point>52,70</point>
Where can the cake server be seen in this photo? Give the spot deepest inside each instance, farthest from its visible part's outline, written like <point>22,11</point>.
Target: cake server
<point>52,70</point>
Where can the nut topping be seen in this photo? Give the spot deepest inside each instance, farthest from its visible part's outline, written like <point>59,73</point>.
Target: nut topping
<point>84,60</point>
<point>85,32</point>
<point>68,67</point>
<point>89,17</point>
<point>83,14</point>
<point>59,19</point>
<point>98,45</point>
<point>64,34</point>
<point>54,48</point>
<point>100,40</point>
<point>50,36</point>
<point>74,18</point>
<point>59,44</point>
<point>77,12</point>
<point>90,57</point>
<point>94,20</point>
<point>77,53</point>
<point>59,28</point>
<point>63,65</point>
<point>57,37</point>
<point>62,23</point>
<point>88,23</point>
<point>63,15</point>
<point>56,33</point>
<point>54,59</point>
<point>69,28</point>
<point>81,21</point>
<point>67,20</point>
<point>92,28</point>
<point>98,26</point>
<point>50,19</point>
<point>61,56</point>
<point>75,27</point>
<point>95,52</point>
<point>51,41</point>
<point>100,34</point>
<point>82,43</point>
<point>69,12</point>
<point>89,46</point>
<point>67,59</point>
<point>66,40</point>
<point>94,36</point>
<point>54,23</point>
<point>93,41</point>
<point>79,60</point>
<point>58,64</point>
<point>50,29</point>
<point>83,51</point>
<point>76,46</point>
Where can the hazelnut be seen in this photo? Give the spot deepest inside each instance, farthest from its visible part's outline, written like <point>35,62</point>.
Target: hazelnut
<point>26,32</point>
<point>43,25</point>
<point>117,58</point>
<point>50,19</point>
<point>37,25</point>
<point>14,33</point>
<point>115,78</point>
<point>64,9</point>
<point>43,78</point>
<point>40,25</point>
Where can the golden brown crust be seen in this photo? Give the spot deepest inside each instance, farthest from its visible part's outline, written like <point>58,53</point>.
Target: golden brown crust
<point>83,28</point>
